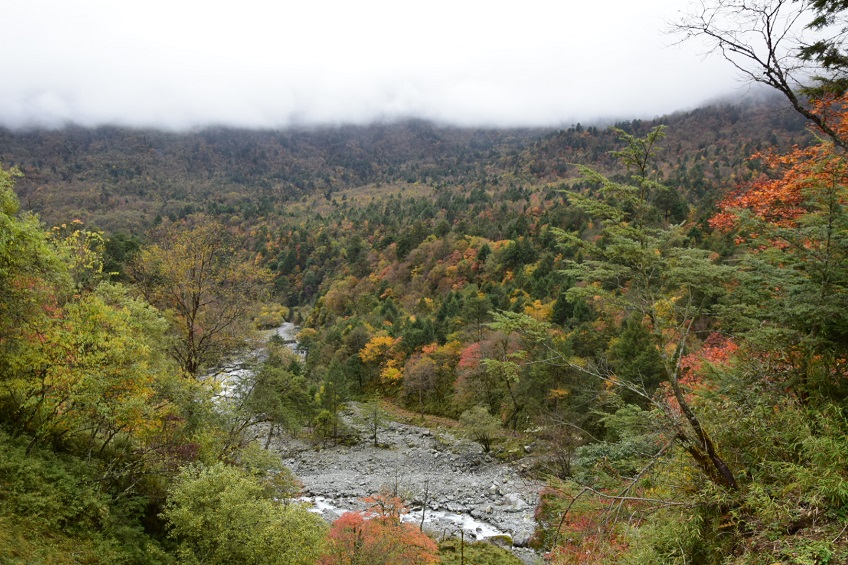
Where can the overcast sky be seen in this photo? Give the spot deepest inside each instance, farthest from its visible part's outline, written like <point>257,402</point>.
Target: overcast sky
<point>257,63</point>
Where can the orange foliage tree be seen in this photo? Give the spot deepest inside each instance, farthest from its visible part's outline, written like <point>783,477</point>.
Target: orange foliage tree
<point>803,181</point>
<point>793,276</point>
<point>378,537</point>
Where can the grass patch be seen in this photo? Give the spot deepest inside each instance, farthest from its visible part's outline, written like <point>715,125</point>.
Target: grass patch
<point>476,553</point>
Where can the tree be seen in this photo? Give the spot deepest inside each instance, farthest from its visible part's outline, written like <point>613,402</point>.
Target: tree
<point>378,537</point>
<point>480,426</point>
<point>278,393</point>
<point>221,514</point>
<point>265,391</point>
<point>828,51</point>
<point>82,363</point>
<point>82,251</point>
<point>640,265</point>
<point>374,417</point>
<point>381,353</point>
<point>517,338</point>
<point>794,47</point>
<point>198,275</point>
<point>475,309</point>
<point>420,377</point>
<point>329,398</point>
<point>31,273</point>
<point>95,368</point>
<point>634,358</point>
<point>792,291</point>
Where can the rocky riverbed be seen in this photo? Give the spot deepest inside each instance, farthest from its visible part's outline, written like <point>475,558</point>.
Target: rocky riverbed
<point>464,488</point>
<point>448,481</point>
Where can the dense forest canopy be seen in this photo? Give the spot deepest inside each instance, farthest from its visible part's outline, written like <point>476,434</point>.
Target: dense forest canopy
<point>658,308</point>
<point>121,179</point>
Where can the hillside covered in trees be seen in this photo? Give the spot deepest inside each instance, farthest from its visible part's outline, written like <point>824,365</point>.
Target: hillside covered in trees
<point>121,179</point>
<point>656,308</point>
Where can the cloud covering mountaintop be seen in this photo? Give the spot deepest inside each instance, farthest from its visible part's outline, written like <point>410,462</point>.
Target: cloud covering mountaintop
<point>272,64</point>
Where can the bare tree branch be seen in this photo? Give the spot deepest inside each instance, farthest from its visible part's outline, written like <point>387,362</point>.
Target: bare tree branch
<point>764,40</point>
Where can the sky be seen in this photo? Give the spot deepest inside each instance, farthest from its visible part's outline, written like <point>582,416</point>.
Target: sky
<point>182,64</point>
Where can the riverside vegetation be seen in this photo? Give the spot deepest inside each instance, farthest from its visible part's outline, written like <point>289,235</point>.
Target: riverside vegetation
<point>653,321</point>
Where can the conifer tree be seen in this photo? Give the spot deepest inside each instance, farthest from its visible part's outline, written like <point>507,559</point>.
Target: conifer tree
<point>638,264</point>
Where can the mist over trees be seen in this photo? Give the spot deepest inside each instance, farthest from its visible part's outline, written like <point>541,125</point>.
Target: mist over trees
<point>651,318</point>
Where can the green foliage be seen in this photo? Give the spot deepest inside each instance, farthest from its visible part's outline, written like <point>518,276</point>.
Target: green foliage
<point>82,252</point>
<point>634,358</point>
<point>31,272</point>
<point>459,276</point>
<point>278,392</point>
<point>677,537</point>
<point>55,509</point>
<point>9,203</point>
<point>792,285</point>
<point>119,250</point>
<point>220,514</point>
<point>632,440</point>
<point>97,370</point>
<point>328,423</point>
<point>479,425</point>
<point>640,265</point>
<point>452,552</point>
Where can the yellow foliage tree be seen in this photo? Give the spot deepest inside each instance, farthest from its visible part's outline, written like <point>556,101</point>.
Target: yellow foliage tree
<point>91,369</point>
<point>377,349</point>
<point>208,287</point>
<point>381,353</point>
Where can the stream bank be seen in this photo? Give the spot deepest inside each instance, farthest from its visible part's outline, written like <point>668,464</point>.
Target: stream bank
<point>464,488</point>
<point>448,481</point>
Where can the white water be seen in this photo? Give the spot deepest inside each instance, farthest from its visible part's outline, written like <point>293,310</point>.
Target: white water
<point>469,524</point>
<point>233,374</point>
<point>287,332</point>
<point>437,521</point>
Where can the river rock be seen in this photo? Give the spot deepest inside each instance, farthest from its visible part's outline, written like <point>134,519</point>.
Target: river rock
<point>462,484</point>
<point>514,500</point>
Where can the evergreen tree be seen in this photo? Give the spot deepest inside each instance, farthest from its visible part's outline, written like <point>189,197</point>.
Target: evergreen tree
<point>639,266</point>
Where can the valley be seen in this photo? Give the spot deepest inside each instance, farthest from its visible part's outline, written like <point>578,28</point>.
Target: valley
<point>618,344</point>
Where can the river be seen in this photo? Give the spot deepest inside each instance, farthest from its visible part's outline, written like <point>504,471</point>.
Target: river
<point>464,489</point>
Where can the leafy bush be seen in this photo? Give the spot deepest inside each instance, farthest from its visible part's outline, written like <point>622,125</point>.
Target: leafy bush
<point>378,537</point>
<point>479,425</point>
<point>54,509</point>
<point>221,514</point>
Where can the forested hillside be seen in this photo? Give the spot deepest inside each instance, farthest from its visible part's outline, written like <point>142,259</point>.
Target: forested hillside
<point>119,179</point>
<point>655,312</point>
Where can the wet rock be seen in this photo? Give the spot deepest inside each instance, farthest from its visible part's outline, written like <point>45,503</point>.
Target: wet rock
<point>463,485</point>
<point>522,539</point>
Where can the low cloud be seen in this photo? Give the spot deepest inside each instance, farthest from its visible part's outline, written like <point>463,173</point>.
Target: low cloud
<point>258,64</point>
